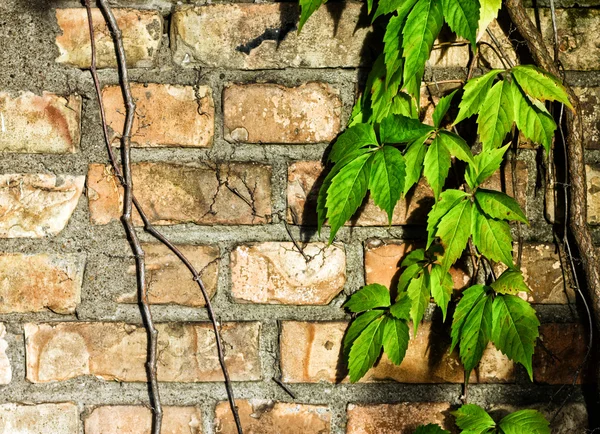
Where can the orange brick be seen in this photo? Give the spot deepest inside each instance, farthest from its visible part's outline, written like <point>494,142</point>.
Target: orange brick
<point>60,418</point>
<point>135,419</point>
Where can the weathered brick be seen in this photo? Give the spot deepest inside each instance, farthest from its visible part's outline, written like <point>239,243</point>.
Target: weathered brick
<point>563,351</point>
<point>136,419</point>
<point>304,182</point>
<point>593,193</point>
<point>589,97</point>
<point>142,35</point>
<point>117,351</point>
<point>165,115</point>
<point>232,193</point>
<point>62,418</point>
<point>37,205</point>
<point>48,124</point>
<point>271,113</point>
<point>202,36</point>
<point>169,280</point>
<point>383,259</point>
<point>268,417</point>
<point>34,283</point>
<point>5,367</point>
<point>401,418</point>
<point>277,273</point>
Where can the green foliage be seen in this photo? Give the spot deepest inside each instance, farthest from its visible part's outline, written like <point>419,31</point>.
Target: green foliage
<point>475,93</point>
<point>496,116</point>
<point>454,231</point>
<point>395,339</point>
<point>370,297</point>
<point>525,422</point>
<point>419,293</point>
<point>499,205</point>
<point>472,419</point>
<point>366,348</point>
<point>463,17</point>
<point>386,184</point>
<point>436,166</point>
<point>510,282</point>
<point>540,85</point>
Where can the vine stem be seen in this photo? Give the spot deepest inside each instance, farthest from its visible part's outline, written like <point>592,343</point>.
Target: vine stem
<point>125,179</point>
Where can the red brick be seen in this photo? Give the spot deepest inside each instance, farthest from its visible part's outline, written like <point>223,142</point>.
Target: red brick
<point>277,273</point>
<point>304,182</point>
<point>142,35</point>
<point>268,417</point>
<point>117,351</point>
<point>271,113</point>
<point>165,115</point>
<point>59,418</point>
<point>46,124</point>
<point>135,419</point>
<point>232,193</point>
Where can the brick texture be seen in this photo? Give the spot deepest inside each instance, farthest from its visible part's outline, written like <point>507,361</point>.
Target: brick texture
<point>589,98</point>
<point>61,418</point>
<point>5,367</point>
<point>267,417</point>
<point>34,283</point>
<point>132,419</point>
<point>142,35</point>
<point>46,124</point>
<point>117,351</point>
<point>277,273</point>
<point>271,113</point>
<point>593,193</point>
<point>175,193</point>
<point>166,115</point>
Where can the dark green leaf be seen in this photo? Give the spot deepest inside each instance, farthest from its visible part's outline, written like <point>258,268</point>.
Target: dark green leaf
<point>441,288</point>
<point>414,156</point>
<point>499,205</point>
<point>472,419</point>
<point>540,84</point>
<point>402,7</point>
<point>436,166</point>
<point>475,334</point>
<point>454,231</point>
<point>442,108</point>
<point>387,179</point>
<point>475,94</point>
<point>525,422</point>
<point>366,349</point>
<point>395,339</point>
<point>369,297</point>
<point>486,164</point>
<point>492,237</point>
<point>496,116</point>
<point>402,129</point>
<point>419,293</point>
<point>407,275</point>
<point>354,138</point>
<point>456,146</point>
<point>510,282</point>
<point>413,257</point>
<point>358,325</point>
<point>470,297</point>
<point>401,309</point>
<point>463,17</point>
<point>448,200</point>
<point>404,105</point>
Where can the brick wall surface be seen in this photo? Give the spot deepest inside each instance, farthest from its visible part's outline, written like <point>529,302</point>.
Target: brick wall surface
<point>229,136</point>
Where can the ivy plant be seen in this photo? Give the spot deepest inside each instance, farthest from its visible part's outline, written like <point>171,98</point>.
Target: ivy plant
<point>385,151</point>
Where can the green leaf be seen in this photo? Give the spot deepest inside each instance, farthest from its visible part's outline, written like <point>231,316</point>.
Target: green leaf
<point>354,138</point>
<point>369,297</point>
<point>401,309</point>
<point>515,329</point>
<point>472,419</point>
<point>474,95</point>
<point>407,275</point>
<point>395,339</point>
<point>420,31</point>
<point>441,288</point>
<point>492,237</point>
<point>475,334</point>
<point>463,17</point>
<point>392,44</point>
<point>431,429</point>
<point>419,293</point>
<point>488,13</point>
<point>510,282</point>
<point>366,349</point>
<point>454,231</point>
<point>540,84</point>
<point>436,166</point>
<point>308,8</point>
<point>535,124</point>
<point>347,191</point>
<point>403,104</point>
<point>525,422</point>
<point>442,108</point>
<point>414,156</point>
<point>402,129</point>
<point>386,184</point>
<point>448,200</point>
<point>499,205</point>
<point>456,146</point>
<point>496,116</point>
<point>413,257</point>
<point>470,297</point>
<point>402,7</point>
<point>486,164</point>
<point>358,325</point>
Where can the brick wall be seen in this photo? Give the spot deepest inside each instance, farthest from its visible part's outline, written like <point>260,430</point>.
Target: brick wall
<point>229,135</point>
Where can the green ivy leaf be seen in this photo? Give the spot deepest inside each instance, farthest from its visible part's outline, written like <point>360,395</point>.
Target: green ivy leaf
<point>422,27</point>
<point>353,139</point>
<point>436,166</point>
<point>407,275</point>
<point>472,419</point>
<point>499,205</point>
<point>535,124</point>
<point>402,7</point>
<point>463,17</point>
<point>413,257</point>
<point>486,164</point>
<point>540,85</point>
<point>414,156</point>
<point>358,325</point>
<point>392,44</point>
<point>403,104</point>
<point>366,349</point>
<point>402,129</point>
<point>525,422</point>
<point>454,231</point>
<point>488,13</point>
<point>496,116</point>
<point>515,329</point>
<point>431,429</point>
<point>510,282</point>
<point>347,191</point>
<point>369,297</point>
<point>419,293</point>
<point>474,95</point>
<point>395,339</point>
<point>448,200</point>
<point>386,183</point>
<point>401,309</point>
<point>492,237</point>
<point>456,146</point>
<point>442,107</point>
<point>470,297</point>
<point>308,7</point>
<point>441,288</point>
<point>475,334</point>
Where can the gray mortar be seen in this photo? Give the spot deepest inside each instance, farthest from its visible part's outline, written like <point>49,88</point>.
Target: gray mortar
<point>27,30</point>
